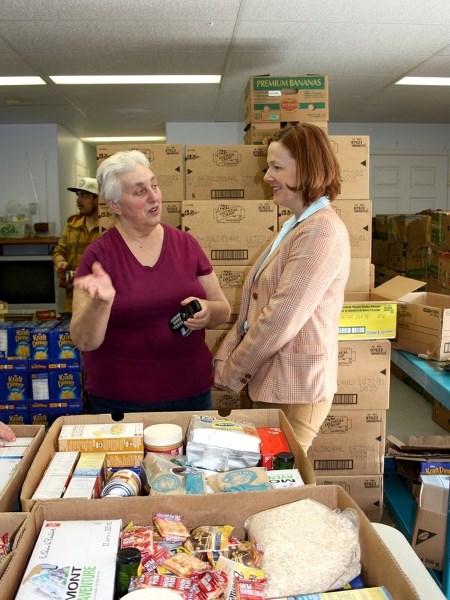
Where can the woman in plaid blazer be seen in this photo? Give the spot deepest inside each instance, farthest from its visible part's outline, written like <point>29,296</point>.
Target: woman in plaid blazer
<point>284,344</point>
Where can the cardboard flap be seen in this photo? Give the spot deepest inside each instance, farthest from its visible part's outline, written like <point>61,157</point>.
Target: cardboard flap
<point>397,287</point>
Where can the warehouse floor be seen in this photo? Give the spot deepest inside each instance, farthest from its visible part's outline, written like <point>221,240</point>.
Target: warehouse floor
<point>409,413</point>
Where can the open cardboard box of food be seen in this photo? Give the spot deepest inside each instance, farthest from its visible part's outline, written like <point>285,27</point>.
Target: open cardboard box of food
<point>9,497</point>
<point>379,567</point>
<point>13,524</point>
<point>259,417</point>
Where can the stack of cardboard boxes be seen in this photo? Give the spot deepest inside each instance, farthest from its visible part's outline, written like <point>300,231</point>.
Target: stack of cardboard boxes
<point>226,206</point>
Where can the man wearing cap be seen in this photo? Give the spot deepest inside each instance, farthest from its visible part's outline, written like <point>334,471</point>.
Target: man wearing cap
<point>80,230</point>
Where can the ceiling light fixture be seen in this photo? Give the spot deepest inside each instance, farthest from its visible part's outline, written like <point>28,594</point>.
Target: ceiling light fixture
<point>21,81</point>
<point>132,79</point>
<point>423,81</point>
<point>105,140</point>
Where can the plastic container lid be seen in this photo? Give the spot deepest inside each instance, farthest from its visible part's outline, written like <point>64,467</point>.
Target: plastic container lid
<point>163,434</point>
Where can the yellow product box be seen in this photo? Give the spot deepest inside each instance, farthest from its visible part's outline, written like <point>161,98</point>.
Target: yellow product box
<point>102,437</point>
<point>373,315</point>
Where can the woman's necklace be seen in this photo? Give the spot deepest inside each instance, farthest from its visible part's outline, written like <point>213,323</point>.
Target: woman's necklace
<point>140,242</point>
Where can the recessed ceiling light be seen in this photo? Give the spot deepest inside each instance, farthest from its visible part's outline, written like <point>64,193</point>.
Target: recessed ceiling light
<point>132,79</point>
<point>424,81</point>
<point>21,81</point>
<point>103,139</point>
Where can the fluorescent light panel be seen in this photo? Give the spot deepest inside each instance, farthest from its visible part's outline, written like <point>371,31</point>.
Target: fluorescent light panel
<point>104,140</point>
<point>132,79</point>
<point>424,81</point>
<point>21,81</point>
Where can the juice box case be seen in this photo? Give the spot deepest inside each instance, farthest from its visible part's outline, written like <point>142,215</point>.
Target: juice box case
<point>72,559</point>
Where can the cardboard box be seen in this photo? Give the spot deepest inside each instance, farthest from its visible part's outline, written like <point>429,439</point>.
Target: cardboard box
<point>231,279</point>
<point>440,228</point>
<point>9,498</point>
<point>373,315</point>
<point>423,325</point>
<point>378,567</point>
<point>260,133</point>
<point>380,252</point>
<point>286,98</point>
<point>12,524</point>
<point>228,172</point>
<point>429,534</point>
<point>351,422</point>
<point>409,229</point>
<point>440,414</point>
<point>171,214</point>
<point>224,402</point>
<point>363,374</point>
<point>260,417</point>
<point>166,161</point>
<point>347,454</point>
<point>353,152</point>
<point>232,232</point>
<point>357,216</point>
<point>365,490</point>
<point>214,338</point>
<point>360,275</point>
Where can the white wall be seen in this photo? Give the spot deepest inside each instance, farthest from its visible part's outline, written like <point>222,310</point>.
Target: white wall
<point>38,163</point>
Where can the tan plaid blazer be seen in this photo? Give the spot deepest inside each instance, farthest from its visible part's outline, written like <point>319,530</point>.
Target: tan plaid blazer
<point>290,351</point>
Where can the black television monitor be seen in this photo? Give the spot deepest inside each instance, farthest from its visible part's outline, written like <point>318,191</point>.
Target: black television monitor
<point>28,283</point>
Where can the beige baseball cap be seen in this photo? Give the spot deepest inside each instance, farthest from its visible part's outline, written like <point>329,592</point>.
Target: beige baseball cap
<point>86,184</point>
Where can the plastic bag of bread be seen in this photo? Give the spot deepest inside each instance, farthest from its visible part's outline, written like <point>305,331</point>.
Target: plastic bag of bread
<point>307,547</point>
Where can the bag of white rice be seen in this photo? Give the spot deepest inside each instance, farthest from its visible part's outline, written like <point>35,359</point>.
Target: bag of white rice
<point>308,547</point>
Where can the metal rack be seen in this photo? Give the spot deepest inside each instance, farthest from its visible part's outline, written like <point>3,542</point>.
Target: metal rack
<point>397,499</point>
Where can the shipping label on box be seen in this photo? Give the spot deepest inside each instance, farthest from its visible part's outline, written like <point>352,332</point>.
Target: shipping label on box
<point>232,232</point>
<point>166,162</point>
<point>367,319</point>
<point>286,98</point>
<point>226,172</point>
<point>363,374</point>
<point>351,454</point>
<point>352,152</point>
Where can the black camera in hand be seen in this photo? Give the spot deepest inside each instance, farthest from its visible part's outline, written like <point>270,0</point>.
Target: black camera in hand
<point>176,323</point>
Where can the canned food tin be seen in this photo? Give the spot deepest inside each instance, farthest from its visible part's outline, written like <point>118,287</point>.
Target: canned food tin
<point>123,482</point>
